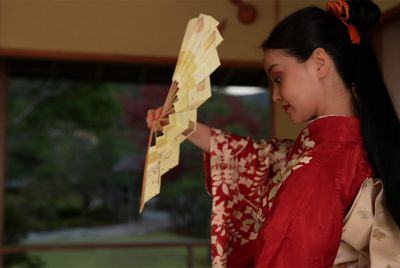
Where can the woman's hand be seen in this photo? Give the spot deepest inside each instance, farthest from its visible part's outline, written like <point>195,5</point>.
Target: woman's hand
<point>200,138</point>
<point>154,119</point>
<point>153,115</point>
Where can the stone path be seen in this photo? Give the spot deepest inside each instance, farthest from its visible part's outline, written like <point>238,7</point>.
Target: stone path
<point>151,221</point>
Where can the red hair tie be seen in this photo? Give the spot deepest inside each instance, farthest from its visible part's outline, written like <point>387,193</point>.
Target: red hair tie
<point>340,9</point>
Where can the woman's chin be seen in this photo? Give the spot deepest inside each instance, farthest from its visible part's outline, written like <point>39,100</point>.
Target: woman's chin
<point>297,120</point>
<point>294,119</point>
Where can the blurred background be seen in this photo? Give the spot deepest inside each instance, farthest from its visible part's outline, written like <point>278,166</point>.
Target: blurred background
<point>76,80</point>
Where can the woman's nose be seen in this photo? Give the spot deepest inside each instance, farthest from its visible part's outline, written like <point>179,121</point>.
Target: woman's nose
<point>276,97</point>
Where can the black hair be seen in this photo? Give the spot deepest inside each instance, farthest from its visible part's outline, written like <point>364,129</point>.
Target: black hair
<point>310,28</point>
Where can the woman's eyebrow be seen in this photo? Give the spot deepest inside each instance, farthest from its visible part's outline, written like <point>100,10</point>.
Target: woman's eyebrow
<point>271,67</point>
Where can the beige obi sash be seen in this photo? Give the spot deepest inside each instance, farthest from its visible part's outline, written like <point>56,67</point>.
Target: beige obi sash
<point>370,236</point>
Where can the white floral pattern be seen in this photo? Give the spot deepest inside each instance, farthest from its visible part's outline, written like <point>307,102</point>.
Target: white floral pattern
<point>242,194</point>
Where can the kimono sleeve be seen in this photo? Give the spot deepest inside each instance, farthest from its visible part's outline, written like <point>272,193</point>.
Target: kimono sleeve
<point>237,170</point>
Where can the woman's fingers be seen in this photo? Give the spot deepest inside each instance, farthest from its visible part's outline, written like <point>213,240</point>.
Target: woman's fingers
<point>150,117</point>
<point>154,115</point>
<point>158,112</point>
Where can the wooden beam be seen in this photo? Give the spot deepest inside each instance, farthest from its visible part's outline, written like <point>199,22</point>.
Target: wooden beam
<point>389,16</point>
<point>108,58</point>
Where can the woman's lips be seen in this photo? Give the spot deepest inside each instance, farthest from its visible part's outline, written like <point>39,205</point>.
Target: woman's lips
<point>286,107</point>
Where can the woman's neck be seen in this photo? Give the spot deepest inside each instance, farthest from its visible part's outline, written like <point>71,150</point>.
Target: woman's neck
<point>337,100</point>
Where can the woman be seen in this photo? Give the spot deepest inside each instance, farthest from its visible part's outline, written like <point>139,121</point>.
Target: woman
<point>282,203</point>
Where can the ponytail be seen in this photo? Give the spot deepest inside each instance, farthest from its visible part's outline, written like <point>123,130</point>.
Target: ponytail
<point>380,126</point>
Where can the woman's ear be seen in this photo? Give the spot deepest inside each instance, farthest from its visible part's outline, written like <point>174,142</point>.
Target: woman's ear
<point>321,61</point>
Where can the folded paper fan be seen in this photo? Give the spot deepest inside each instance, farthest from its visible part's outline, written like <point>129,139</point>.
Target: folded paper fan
<point>190,88</point>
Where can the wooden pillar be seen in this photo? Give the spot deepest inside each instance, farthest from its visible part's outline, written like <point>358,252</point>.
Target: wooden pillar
<point>3,118</point>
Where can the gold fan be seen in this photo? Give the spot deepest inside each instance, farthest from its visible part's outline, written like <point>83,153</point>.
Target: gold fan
<point>190,88</point>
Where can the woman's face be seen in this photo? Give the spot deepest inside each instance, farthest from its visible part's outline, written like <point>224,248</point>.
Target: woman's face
<point>294,84</point>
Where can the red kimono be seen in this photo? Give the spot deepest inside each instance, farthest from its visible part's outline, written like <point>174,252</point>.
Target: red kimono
<point>282,203</point>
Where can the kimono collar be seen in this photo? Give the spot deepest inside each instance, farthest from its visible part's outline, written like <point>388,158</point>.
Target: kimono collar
<point>334,128</point>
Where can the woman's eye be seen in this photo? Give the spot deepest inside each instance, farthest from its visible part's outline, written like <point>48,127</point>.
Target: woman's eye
<point>277,79</point>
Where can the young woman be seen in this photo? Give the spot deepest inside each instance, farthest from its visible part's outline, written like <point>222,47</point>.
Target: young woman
<point>282,203</point>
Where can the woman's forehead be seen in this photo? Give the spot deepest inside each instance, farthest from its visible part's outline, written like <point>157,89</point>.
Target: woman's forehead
<point>276,57</point>
<point>276,54</point>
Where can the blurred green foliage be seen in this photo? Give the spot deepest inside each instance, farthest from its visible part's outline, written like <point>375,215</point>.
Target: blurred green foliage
<point>65,139</point>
